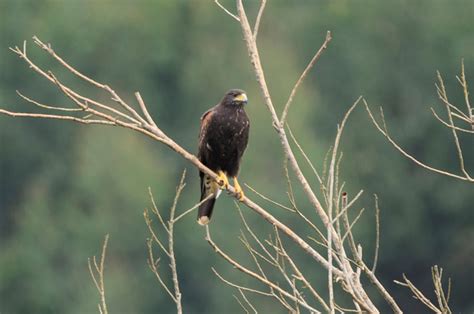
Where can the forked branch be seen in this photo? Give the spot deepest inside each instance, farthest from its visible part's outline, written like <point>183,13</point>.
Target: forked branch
<point>97,273</point>
<point>454,114</point>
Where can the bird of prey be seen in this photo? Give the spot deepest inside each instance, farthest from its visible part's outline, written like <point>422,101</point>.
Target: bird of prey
<point>222,141</point>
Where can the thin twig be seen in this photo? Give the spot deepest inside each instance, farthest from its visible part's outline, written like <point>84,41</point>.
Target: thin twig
<point>303,75</point>
<point>169,228</point>
<point>148,222</point>
<point>259,17</point>
<point>88,79</point>
<point>247,301</point>
<point>305,156</point>
<point>156,211</point>
<point>153,264</point>
<point>349,229</point>
<point>269,199</point>
<point>463,83</point>
<point>404,153</point>
<point>54,116</point>
<point>46,106</point>
<point>99,269</point>
<point>193,208</point>
<point>253,274</point>
<point>301,277</point>
<point>171,221</point>
<point>418,294</point>
<point>455,135</point>
<point>346,206</point>
<point>240,303</point>
<point>144,109</point>
<point>377,233</point>
<point>449,125</point>
<point>239,286</point>
<point>227,11</point>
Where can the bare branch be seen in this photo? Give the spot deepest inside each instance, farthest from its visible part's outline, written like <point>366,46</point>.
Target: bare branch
<point>240,287</point>
<point>240,303</point>
<point>46,106</point>
<point>54,116</point>
<point>443,96</point>
<point>306,157</point>
<point>144,109</point>
<point>463,83</point>
<point>349,230</point>
<point>253,274</point>
<point>449,125</point>
<point>114,95</point>
<point>269,199</point>
<point>169,228</point>
<point>301,277</point>
<point>148,222</point>
<point>153,264</point>
<point>156,210</point>
<point>346,206</point>
<point>174,271</point>
<point>385,133</point>
<point>303,75</point>
<point>192,208</point>
<point>99,283</point>
<point>247,301</point>
<point>227,11</point>
<point>418,294</point>
<point>437,276</point>
<point>259,17</point>
<point>377,232</point>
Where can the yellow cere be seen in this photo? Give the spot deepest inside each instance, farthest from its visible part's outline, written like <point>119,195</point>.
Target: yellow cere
<point>241,97</point>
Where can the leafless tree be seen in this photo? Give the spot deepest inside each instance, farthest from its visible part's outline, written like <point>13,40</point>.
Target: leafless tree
<point>334,248</point>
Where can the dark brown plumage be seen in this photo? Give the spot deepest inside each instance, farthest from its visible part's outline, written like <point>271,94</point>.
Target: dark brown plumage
<point>222,142</point>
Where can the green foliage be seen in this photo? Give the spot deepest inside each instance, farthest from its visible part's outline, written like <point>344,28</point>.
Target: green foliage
<point>63,186</point>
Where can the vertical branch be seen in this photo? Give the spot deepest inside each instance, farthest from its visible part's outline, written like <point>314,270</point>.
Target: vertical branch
<point>99,271</point>
<point>153,262</point>
<point>355,287</point>
<point>377,232</point>
<point>463,82</point>
<point>171,221</point>
<point>255,60</point>
<point>443,95</point>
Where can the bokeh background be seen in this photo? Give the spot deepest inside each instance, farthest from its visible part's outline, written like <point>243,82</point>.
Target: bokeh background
<point>64,186</point>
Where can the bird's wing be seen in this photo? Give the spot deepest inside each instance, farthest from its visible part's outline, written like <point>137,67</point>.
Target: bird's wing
<point>205,121</point>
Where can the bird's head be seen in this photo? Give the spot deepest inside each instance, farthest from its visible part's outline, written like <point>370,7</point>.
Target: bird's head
<point>235,97</point>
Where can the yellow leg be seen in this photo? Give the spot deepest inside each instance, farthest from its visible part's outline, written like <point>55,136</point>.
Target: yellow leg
<point>222,180</point>
<point>238,190</point>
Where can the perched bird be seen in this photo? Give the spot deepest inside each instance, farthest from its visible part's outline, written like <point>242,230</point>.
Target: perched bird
<point>222,141</point>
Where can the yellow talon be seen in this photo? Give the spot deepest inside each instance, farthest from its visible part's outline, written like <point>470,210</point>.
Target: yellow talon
<point>238,190</point>
<point>222,180</point>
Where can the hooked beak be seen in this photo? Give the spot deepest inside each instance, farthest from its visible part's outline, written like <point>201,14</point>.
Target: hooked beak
<point>241,98</point>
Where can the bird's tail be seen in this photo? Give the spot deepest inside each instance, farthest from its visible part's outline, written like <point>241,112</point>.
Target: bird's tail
<point>210,190</point>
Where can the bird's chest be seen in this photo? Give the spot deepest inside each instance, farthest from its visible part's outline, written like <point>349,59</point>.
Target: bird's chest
<point>230,129</point>
<point>229,132</point>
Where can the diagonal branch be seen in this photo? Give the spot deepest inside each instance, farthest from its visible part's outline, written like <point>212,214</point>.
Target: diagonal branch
<point>385,133</point>
<point>303,75</point>
<point>253,274</point>
<point>226,11</point>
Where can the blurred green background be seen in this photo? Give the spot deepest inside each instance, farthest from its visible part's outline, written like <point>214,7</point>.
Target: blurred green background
<point>64,186</point>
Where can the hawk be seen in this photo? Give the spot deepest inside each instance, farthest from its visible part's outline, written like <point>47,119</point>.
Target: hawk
<point>222,141</point>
